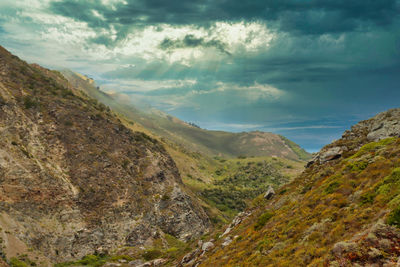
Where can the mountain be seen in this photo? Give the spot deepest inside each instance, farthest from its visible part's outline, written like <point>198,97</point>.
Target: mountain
<point>225,184</point>
<point>75,181</point>
<point>193,138</point>
<point>343,210</point>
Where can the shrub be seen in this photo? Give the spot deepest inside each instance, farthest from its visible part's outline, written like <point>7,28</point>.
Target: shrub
<point>394,217</point>
<point>368,198</point>
<point>14,262</point>
<point>331,187</point>
<point>165,197</point>
<point>151,254</point>
<point>29,102</point>
<point>89,260</point>
<point>218,172</point>
<point>262,220</point>
<point>358,166</point>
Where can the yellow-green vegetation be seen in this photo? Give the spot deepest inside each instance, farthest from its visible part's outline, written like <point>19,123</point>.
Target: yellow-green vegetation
<point>21,261</point>
<point>168,247</point>
<point>262,220</point>
<point>88,260</point>
<point>233,183</point>
<point>325,205</point>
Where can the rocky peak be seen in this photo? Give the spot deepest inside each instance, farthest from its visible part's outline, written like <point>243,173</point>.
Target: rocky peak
<point>382,126</point>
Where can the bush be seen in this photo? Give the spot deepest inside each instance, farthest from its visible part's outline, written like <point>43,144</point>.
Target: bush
<point>262,220</point>
<point>14,262</point>
<point>165,197</point>
<point>368,198</point>
<point>394,217</point>
<point>151,254</point>
<point>331,187</point>
<point>29,102</point>
<point>92,260</point>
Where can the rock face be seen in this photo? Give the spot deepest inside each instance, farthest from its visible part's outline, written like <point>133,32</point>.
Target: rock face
<point>382,126</point>
<point>73,179</point>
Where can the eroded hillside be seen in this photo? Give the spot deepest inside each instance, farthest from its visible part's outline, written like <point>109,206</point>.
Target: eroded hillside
<point>74,180</point>
<point>343,210</point>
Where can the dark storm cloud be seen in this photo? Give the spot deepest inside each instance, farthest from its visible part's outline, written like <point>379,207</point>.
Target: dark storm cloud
<point>191,41</point>
<point>330,58</point>
<point>305,17</point>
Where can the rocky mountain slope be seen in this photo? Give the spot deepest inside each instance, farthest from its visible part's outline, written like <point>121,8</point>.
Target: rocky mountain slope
<point>343,210</point>
<point>74,180</point>
<point>210,143</point>
<point>225,184</point>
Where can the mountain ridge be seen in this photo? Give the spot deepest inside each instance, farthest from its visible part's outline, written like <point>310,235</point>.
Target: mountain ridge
<point>210,142</point>
<point>74,180</point>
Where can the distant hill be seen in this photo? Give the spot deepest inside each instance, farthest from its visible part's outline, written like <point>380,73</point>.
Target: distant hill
<point>210,143</point>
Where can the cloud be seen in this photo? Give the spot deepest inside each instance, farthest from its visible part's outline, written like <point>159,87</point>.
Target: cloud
<point>191,41</point>
<point>310,17</point>
<point>232,62</point>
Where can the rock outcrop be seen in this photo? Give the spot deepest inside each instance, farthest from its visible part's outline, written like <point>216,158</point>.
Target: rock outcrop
<point>382,126</point>
<point>73,179</point>
<point>270,192</point>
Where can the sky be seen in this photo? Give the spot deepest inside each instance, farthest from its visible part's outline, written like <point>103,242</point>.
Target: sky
<point>306,69</point>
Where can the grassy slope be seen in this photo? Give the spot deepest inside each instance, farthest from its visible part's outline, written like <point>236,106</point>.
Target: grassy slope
<point>325,205</point>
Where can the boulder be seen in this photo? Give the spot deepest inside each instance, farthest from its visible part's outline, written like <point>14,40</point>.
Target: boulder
<point>330,154</point>
<point>207,246</point>
<point>270,192</point>
<point>384,129</point>
<point>227,241</point>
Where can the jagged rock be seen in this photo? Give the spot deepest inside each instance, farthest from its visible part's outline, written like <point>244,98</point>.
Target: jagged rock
<point>384,125</point>
<point>326,154</point>
<point>270,192</point>
<point>227,231</point>
<point>112,264</point>
<point>207,246</point>
<point>190,258</point>
<point>227,241</point>
<point>331,154</point>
